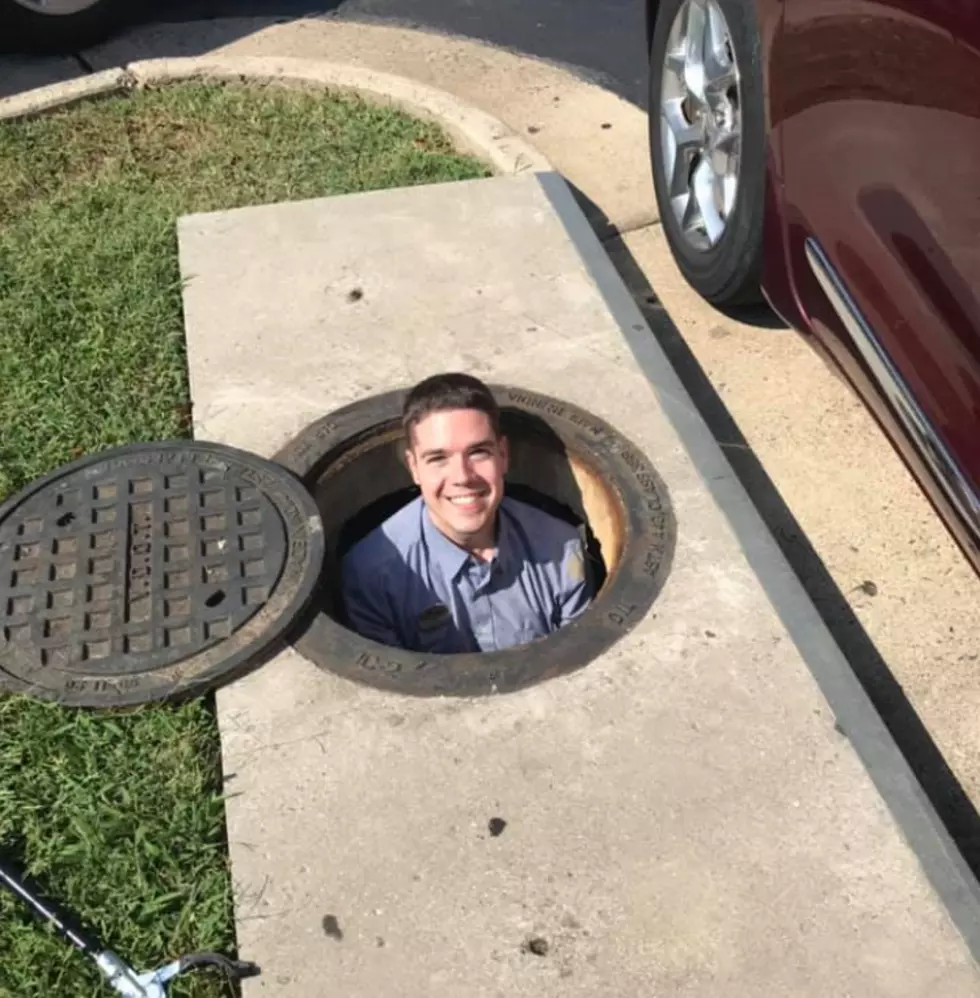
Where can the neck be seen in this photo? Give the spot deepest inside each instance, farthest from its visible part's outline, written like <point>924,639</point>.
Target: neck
<point>482,545</point>
<point>482,551</point>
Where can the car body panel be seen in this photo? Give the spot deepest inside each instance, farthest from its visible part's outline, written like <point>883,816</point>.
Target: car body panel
<point>877,113</point>
<point>872,227</point>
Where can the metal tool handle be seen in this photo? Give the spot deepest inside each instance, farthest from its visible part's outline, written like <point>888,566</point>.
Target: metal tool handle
<point>14,883</point>
<point>125,981</point>
<point>236,970</point>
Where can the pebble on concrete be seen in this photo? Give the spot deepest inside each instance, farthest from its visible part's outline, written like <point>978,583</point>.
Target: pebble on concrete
<point>536,945</point>
<point>331,927</point>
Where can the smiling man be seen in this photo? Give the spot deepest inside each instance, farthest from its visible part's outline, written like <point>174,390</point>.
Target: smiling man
<point>462,567</point>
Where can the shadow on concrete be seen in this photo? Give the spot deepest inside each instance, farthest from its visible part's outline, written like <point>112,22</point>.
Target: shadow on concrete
<point>940,784</point>
<point>603,43</point>
<point>145,37</point>
<point>759,315</point>
<point>20,73</point>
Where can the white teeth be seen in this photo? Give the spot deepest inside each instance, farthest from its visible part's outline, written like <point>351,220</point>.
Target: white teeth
<point>464,500</point>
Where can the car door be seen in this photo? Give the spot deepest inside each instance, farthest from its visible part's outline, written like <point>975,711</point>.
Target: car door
<point>878,107</point>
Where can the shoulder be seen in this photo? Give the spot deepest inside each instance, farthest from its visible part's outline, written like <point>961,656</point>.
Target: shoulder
<point>552,545</point>
<point>390,543</point>
<point>541,529</point>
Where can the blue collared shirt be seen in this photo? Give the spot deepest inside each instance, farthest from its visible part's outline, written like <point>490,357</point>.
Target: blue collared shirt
<point>407,585</point>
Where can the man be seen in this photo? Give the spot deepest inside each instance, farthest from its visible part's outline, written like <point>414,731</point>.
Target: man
<point>462,568</point>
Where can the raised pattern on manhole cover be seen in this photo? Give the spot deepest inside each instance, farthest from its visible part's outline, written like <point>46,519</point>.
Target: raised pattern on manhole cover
<point>132,575</point>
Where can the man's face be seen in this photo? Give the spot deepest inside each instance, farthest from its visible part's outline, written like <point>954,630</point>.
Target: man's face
<point>459,464</point>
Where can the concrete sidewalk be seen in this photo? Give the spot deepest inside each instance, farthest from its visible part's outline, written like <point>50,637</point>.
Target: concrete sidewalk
<point>712,808</point>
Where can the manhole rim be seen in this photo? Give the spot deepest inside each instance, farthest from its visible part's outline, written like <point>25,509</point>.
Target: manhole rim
<point>279,614</point>
<point>630,592</point>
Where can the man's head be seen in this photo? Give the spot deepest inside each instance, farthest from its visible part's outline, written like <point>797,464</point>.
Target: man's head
<point>457,455</point>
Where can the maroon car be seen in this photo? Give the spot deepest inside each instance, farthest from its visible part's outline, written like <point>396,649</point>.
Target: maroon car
<point>826,153</point>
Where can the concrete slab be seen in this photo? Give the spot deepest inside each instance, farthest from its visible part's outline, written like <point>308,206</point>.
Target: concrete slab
<point>712,808</point>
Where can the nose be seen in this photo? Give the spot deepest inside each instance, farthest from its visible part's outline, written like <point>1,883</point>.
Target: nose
<point>461,469</point>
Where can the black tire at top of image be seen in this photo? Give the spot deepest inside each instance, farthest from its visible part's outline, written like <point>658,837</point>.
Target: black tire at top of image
<point>23,30</point>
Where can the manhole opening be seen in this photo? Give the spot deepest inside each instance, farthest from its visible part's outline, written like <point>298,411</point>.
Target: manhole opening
<point>369,482</point>
<point>563,458</point>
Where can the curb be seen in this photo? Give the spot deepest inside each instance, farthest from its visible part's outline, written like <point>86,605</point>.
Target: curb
<point>472,130</point>
<point>31,103</point>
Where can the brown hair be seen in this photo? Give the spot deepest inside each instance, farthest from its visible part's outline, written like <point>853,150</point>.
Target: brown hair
<point>443,392</point>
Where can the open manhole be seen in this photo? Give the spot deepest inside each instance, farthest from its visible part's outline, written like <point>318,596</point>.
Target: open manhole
<point>563,459</point>
<point>150,572</point>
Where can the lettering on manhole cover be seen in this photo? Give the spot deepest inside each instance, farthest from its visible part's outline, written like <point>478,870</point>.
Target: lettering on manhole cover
<point>151,571</point>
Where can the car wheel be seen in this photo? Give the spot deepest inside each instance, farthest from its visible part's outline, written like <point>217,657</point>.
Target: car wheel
<point>708,144</point>
<point>58,25</point>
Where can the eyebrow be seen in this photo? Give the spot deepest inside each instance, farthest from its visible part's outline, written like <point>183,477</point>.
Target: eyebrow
<point>479,445</point>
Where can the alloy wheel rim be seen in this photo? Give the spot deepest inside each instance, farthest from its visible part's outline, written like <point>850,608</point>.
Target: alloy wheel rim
<point>56,8</point>
<point>701,123</point>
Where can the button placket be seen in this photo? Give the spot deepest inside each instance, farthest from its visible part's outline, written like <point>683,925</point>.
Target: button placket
<point>478,602</point>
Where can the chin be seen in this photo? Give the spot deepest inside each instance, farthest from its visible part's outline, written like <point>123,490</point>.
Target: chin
<point>471,525</point>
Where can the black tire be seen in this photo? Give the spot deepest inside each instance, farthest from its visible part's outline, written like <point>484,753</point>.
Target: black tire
<point>730,272</point>
<point>26,30</point>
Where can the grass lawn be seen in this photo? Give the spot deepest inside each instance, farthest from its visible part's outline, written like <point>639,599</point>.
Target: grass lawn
<point>120,816</point>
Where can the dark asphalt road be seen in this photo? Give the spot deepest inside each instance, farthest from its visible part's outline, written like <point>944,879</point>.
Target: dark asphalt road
<point>600,39</point>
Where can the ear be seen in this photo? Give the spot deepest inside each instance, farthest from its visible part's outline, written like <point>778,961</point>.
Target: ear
<point>504,447</point>
<point>412,465</point>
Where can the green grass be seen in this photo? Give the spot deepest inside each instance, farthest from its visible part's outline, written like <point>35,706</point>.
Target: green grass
<point>120,816</point>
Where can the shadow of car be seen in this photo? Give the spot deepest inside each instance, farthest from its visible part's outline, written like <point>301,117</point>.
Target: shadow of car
<point>823,154</point>
<point>59,26</point>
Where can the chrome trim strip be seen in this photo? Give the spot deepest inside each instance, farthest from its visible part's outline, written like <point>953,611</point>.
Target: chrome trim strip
<point>948,472</point>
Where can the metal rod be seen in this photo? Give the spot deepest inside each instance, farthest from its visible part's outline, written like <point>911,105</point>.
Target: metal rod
<point>125,981</point>
<point>13,882</point>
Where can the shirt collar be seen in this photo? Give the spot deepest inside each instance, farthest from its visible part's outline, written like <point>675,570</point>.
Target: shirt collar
<point>448,556</point>
<point>451,558</point>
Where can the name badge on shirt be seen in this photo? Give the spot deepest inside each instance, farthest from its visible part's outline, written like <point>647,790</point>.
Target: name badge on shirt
<point>575,565</point>
<point>434,617</point>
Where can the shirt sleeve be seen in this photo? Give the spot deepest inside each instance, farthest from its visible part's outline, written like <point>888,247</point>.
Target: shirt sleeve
<point>366,604</point>
<point>576,593</point>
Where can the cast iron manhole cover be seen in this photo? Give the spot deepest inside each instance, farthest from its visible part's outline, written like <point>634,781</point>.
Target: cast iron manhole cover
<point>150,571</point>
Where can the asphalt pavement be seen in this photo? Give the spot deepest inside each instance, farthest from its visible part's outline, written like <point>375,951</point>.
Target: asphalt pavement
<point>602,40</point>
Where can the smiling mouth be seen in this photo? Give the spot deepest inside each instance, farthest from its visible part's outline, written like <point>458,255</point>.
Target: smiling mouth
<point>468,500</point>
